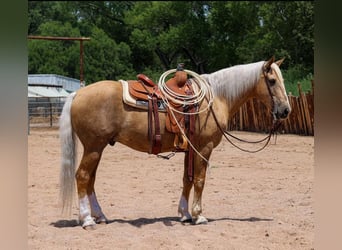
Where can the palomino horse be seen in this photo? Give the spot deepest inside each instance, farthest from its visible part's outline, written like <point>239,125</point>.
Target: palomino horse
<point>97,115</point>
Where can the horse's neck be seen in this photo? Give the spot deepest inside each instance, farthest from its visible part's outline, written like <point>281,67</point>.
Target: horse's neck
<point>235,103</point>
<point>227,108</point>
<point>221,110</point>
<point>234,86</point>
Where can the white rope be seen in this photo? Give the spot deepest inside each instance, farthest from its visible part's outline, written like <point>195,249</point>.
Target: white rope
<point>188,140</point>
<point>200,92</point>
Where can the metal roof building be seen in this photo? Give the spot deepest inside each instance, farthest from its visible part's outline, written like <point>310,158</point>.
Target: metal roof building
<point>46,91</point>
<point>46,96</point>
<point>51,85</point>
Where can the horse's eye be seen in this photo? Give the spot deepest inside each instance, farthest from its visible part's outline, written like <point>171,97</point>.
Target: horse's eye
<point>272,81</point>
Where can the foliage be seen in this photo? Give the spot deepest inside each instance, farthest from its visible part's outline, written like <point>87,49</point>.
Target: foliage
<point>105,58</point>
<point>131,37</point>
<point>294,76</point>
<point>54,57</point>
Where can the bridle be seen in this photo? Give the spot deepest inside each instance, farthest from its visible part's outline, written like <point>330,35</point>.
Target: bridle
<point>273,129</point>
<point>268,85</point>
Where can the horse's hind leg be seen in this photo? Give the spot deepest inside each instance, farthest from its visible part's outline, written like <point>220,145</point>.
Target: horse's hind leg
<point>85,178</point>
<point>96,211</point>
<point>183,207</point>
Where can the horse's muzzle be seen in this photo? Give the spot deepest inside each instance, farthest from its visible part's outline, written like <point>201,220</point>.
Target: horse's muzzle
<point>282,114</point>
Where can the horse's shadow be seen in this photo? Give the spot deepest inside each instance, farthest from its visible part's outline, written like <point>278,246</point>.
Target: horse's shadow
<point>65,223</point>
<point>167,221</point>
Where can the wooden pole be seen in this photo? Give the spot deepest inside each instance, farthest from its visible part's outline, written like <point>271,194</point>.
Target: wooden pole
<point>80,39</point>
<point>306,113</point>
<point>302,108</point>
<point>81,64</point>
<point>290,118</point>
<point>59,38</point>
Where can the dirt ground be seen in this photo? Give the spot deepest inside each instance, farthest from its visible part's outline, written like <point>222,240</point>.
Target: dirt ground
<point>252,201</point>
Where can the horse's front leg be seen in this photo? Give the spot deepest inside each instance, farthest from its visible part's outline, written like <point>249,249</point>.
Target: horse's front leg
<point>85,178</point>
<point>183,207</point>
<point>200,169</point>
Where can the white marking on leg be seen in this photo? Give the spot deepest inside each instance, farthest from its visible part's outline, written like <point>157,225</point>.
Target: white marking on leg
<point>85,216</point>
<point>201,220</point>
<point>96,210</point>
<point>196,212</point>
<point>183,209</point>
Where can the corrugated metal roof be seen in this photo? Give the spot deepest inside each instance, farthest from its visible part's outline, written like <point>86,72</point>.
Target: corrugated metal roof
<point>38,91</point>
<point>69,84</point>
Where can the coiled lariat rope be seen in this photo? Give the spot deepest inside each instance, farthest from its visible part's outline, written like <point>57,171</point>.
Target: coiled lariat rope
<point>201,90</point>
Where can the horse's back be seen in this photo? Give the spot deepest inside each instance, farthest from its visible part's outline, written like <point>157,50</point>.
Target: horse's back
<point>97,97</point>
<point>97,90</point>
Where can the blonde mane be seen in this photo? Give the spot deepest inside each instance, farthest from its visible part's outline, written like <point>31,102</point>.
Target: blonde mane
<point>232,82</point>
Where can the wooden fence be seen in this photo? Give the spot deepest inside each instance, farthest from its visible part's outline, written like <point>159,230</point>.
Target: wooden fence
<point>254,117</point>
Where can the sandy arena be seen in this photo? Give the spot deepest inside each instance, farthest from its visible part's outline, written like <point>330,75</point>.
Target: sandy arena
<point>252,201</point>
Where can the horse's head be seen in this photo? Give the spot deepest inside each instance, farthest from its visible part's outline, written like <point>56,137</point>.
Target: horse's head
<point>271,89</point>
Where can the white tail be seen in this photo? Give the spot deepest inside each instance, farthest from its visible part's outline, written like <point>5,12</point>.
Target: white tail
<point>68,159</point>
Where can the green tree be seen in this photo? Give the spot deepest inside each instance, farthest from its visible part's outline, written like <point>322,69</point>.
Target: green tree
<point>54,57</point>
<point>247,31</point>
<point>40,12</point>
<point>130,37</point>
<point>105,59</point>
<point>232,23</point>
<point>107,15</point>
<point>290,34</point>
<point>177,31</point>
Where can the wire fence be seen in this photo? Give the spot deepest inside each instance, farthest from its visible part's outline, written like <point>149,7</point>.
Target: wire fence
<point>44,112</point>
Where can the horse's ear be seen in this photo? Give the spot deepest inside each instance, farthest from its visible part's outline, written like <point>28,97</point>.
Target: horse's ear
<point>279,62</point>
<point>267,65</point>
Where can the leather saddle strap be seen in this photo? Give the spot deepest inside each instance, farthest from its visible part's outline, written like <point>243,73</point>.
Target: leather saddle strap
<point>157,136</point>
<point>153,122</point>
<point>150,124</point>
<point>190,121</point>
<point>190,124</point>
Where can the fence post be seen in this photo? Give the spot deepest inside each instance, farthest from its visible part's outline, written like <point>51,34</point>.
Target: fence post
<point>50,105</point>
<point>305,110</point>
<point>28,122</point>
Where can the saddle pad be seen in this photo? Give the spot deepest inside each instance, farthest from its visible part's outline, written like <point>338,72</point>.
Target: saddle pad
<point>129,100</point>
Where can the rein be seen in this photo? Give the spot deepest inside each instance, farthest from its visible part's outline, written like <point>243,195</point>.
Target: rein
<point>275,125</point>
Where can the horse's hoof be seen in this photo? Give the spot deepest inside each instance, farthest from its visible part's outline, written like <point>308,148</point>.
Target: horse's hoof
<point>201,220</point>
<point>90,227</point>
<point>185,219</point>
<point>89,224</point>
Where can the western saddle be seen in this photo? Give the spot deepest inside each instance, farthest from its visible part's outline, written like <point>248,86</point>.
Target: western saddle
<point>144,89</point>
